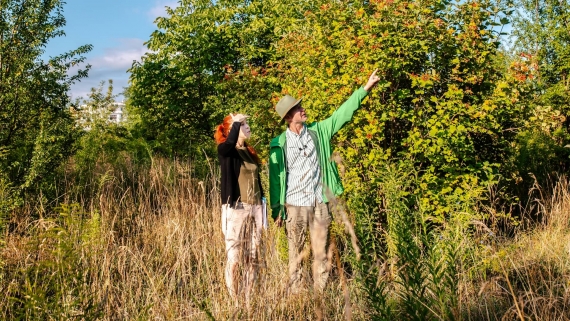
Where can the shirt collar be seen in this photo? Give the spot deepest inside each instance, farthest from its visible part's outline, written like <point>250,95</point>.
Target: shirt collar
<point>301,133</point>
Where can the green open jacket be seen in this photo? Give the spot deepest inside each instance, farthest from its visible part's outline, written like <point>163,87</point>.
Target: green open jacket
<point>321,133</point>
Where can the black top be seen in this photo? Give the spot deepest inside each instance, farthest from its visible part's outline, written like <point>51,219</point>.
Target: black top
<point>230,163</point>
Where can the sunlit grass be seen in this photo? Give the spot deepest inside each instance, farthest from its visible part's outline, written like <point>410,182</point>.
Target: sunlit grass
<point>147,244</point>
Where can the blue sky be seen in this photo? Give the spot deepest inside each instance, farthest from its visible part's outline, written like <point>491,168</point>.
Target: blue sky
<point>117,29</point>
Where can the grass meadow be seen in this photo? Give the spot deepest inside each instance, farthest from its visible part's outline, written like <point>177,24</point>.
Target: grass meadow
<point>144,242</point>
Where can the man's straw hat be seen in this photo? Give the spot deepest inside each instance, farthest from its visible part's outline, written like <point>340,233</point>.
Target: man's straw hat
<point>285,104</point>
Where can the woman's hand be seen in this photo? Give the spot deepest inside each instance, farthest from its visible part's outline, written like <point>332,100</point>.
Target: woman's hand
<point>238,117</point>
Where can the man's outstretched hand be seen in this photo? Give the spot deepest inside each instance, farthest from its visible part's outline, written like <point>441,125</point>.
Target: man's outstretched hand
<point>372,81</point>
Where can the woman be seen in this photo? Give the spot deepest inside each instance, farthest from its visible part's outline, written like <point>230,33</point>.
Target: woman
<point>241,201</point>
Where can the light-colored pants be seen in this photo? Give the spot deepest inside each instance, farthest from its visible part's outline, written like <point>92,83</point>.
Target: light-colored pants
<point>317,219</point>
<point>241,226</point>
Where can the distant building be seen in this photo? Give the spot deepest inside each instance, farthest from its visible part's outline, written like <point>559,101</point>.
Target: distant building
<point>118,115</point>
<point>87,114</point>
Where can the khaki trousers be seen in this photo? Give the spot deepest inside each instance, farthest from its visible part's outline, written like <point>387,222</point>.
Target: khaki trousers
<point>242,233</point>
<point>317,219</point>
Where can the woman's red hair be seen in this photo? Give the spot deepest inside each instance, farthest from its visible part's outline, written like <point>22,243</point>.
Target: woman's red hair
<point>222,132</point>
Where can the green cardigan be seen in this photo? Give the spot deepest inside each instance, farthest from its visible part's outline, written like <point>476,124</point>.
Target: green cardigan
<point>321,133</point>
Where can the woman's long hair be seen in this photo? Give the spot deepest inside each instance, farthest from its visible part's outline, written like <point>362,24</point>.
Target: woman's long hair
<point>222,132</point>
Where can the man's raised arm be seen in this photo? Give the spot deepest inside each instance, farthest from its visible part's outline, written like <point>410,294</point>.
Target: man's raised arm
<point>345,112</point>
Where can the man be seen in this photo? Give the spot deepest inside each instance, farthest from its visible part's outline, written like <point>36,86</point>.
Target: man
<point>300,173</point>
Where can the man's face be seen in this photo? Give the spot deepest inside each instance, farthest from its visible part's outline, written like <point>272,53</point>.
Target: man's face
<point>297,114</point>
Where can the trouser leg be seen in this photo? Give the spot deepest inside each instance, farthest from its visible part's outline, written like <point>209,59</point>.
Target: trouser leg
<point>225,208</point>
<point>296,225</point>
<point>319,225</point>
<point>234,219</point>
<point>253,235</point>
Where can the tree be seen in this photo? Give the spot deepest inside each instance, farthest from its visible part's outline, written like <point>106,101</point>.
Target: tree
<point>210,58</point>
<point>541,30</point>
<point>442,108</point>
<point>36,130</point>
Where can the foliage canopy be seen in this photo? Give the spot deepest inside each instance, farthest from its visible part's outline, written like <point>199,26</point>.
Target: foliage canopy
<point>36,130</point>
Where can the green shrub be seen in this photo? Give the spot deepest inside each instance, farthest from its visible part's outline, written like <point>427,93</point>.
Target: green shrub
<point>37,133</point>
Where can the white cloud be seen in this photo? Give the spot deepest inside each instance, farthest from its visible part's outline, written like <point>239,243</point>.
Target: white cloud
<point>121,56</point>
<point>159,10</point>
<point>112,64</point>
<point>83,88</point>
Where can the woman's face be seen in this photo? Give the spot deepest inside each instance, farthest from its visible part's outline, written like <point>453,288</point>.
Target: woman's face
<point>244,131</point>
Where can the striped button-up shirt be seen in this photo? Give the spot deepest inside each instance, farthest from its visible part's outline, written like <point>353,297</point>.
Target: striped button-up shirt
<point>304,186</point>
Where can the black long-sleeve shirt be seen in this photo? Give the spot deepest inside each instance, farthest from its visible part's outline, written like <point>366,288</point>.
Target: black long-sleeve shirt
<point>230,163</point>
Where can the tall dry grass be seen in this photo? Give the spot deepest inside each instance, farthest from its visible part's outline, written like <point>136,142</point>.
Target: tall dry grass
<point>142,242</point>
<point>526,277</point>
<point>151,247</point>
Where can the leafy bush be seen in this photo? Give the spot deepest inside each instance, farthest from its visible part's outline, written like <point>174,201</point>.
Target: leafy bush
<point>453,117</point>
<point>36,131</point>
